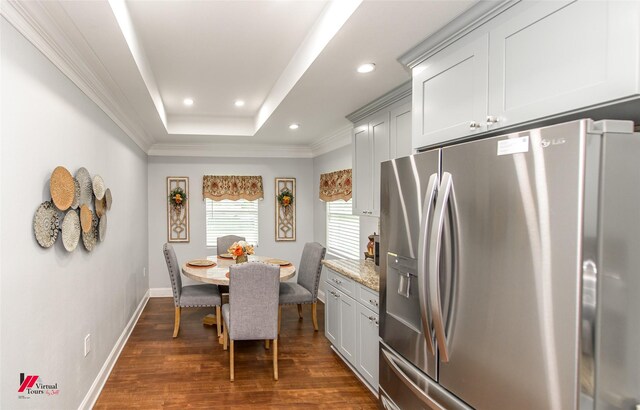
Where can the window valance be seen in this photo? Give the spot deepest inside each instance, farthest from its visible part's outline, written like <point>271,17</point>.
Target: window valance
<point>219,187</point>
<point>335,185</point>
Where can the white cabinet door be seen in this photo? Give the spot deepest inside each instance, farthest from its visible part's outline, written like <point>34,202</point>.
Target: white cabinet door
<point>557,56</point>
<point>379,135</point>
<point>400,132</point>
<point>450,93</point>
<point>368,345</point>
<point>348,316</point>
<point>332,315</point>
<point>362,171</point>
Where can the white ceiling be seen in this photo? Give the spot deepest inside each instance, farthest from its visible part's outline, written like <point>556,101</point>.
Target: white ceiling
<point>290,61</point>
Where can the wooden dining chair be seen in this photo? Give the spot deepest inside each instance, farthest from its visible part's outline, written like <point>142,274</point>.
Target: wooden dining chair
<point>224,242</point>
<point>252,311</point>
<point>191,295</point>
<point>305,291</point>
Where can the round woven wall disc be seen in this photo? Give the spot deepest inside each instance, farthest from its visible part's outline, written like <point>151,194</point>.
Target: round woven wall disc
<point>71,230</point>
<point>86,217</point>
<point>101,207</point>
<point>62,187</point>
<point>98,187</point>
<point>107,197</point>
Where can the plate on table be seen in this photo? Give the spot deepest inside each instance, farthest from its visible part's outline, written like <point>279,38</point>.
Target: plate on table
<point>226,256</point>
<point>280,262</point>
<point>201,263</point>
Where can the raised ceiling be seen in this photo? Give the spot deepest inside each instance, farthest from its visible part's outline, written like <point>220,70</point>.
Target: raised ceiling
<point>290,61</point>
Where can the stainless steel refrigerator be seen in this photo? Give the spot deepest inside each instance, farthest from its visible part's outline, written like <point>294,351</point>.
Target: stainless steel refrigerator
<point>510,272</point>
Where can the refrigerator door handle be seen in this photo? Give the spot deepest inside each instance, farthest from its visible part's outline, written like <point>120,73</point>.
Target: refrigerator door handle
<point>404,375</point>
<point>427,206</point>
<point>444,193</point>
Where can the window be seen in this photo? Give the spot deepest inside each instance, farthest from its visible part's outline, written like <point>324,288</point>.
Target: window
<point>343,230</point>
<point>228,217</point>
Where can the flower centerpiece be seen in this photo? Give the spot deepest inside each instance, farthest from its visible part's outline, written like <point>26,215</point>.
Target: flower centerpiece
<point>240,250</point>
<point>285,199</point>
<point>177,198</point>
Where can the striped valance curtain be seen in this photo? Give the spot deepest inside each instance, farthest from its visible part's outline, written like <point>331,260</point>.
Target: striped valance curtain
<point>336,185</point>
<point>219,187</point>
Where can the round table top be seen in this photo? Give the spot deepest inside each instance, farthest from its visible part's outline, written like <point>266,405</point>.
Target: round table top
<point>217,275</point>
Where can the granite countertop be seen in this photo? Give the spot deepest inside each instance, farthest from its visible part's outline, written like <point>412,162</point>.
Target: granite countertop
<point>357,269</point>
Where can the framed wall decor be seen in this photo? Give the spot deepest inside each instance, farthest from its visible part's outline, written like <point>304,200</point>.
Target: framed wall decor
<point>285,209</point>
<point>178,209</point>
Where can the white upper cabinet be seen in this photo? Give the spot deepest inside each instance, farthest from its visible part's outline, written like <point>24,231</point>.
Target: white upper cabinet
<point>554,57</point>
<point>400,132</point>
<point>530,61</point>
<point>362,170</point>
<point>450,93</point>
<point>382,132</point>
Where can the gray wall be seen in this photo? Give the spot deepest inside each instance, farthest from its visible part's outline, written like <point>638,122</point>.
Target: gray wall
<point>194,168</point>
<point>50,299</point>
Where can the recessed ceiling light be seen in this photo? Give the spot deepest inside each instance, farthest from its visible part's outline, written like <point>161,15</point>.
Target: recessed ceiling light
<point>188,101</point>
<point>294,126</point>
<point>366,68</point>
<point>239,103</point>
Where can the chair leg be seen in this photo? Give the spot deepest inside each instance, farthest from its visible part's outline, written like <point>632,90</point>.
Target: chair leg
<point>279,317</point>
<point>225,337</point>
<point>266,344</point>
<point>314,316</point>
<point>231,362</point>
<point>176,323</point>
<point>218,320</point>
<point>275,359</point>
<point>300,311</point>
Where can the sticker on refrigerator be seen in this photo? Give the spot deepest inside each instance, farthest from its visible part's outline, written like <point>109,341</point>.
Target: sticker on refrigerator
<point>513,145</point>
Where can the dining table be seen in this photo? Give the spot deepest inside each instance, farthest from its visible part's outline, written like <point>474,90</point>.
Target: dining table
<point>218,273</point>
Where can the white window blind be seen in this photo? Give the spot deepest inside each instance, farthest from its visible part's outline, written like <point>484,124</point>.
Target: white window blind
<point>228,217</point>
<point>343,230</point>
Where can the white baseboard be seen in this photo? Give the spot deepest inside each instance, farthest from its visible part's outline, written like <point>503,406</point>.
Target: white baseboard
<point>96,388</point>
<point>321,295</point>
<point>160,293</point>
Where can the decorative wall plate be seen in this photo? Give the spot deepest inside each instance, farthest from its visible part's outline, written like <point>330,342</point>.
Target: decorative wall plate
<point>102,227</point>
<point>86,186</point>
<point>98,187</point>
<point>46,223</point>
<point>101,207</point>
<point>107,197</point>
<point>76,197</point>
<point>62,188</point>
<point>89,239</point>
<point>71,230</point>
<point>85,218</point>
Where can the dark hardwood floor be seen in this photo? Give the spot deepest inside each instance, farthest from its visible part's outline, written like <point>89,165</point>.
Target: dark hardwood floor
<point>192,371</point>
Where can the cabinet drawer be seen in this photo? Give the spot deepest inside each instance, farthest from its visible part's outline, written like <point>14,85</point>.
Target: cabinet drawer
<point>341,283</point>
<point>368,298</point>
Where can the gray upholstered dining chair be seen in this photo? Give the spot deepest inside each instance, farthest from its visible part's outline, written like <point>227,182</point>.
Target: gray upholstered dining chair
<point>252,311</point>
<point>224,242</point>
<point>191,295</point>
<point>305,291</point>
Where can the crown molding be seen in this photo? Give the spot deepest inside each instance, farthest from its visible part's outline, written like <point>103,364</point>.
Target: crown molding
<point>230,150</point>
<point>67,50</point>
<point>338,139</point>
<point>462,25</point>
<point>393,96</point>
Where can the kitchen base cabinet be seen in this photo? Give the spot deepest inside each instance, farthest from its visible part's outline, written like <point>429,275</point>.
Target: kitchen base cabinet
<point>351,325</point>
<point>367,337</point>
